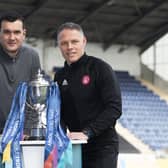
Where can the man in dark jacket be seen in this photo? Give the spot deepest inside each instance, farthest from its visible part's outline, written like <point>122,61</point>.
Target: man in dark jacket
<point>90,99</point>
<point>17,63</point>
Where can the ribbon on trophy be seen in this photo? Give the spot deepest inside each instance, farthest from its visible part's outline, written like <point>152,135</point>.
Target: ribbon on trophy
<point>58,148</point>
<point>12,133</point>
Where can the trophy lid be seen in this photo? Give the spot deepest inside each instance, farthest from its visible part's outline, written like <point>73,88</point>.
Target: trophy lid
<point>39,80</point>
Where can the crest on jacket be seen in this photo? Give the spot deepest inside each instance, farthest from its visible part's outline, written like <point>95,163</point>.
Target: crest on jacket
<point>85,79</point>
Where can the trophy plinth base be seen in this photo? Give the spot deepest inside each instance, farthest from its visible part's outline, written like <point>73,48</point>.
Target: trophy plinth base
<point>36,138</point>
<point>37,134</point>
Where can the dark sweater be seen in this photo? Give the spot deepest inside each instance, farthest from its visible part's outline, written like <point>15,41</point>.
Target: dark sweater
<point>13,71</point>
<point>91,100</point>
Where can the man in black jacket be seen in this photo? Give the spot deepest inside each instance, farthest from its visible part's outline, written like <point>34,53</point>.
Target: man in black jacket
<point>18,63</point>
<point>90,99</point>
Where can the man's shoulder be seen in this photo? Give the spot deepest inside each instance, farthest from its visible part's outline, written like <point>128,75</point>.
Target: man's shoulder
<point>59,74</point>
<point>29,49</point>
<point>97,61</point>
<point>60,71</point>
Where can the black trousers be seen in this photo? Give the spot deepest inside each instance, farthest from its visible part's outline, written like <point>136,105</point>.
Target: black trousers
<point>106,161</point>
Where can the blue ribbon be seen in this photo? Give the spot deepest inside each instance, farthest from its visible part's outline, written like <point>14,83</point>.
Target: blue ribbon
<point>54,130</point>
<point>14,125</point>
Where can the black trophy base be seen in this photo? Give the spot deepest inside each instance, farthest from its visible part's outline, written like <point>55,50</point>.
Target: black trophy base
<point>36,138</point>
<point>37,134</point>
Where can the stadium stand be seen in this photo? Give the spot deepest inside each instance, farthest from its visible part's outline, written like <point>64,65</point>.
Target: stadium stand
<point>145,114</point>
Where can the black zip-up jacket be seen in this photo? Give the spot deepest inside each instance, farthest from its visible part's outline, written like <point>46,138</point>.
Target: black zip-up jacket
<point>13,71</point>
<point>91,99</point>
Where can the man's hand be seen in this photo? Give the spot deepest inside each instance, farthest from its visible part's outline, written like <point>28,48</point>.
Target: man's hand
<point>77,136</point>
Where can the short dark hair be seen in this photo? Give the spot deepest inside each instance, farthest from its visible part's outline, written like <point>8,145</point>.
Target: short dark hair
<point>71,26</point>
<point>11,16</point>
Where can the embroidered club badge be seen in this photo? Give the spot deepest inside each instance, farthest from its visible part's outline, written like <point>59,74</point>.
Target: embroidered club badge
<point>85,79</point>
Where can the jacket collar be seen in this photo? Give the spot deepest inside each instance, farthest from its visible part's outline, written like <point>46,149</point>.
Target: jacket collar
<point>77,63</point>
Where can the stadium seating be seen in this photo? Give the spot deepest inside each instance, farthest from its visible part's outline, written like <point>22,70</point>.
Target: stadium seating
<point>144,113</point>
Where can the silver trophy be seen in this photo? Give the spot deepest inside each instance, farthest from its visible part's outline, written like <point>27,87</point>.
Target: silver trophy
<point>35,115</point>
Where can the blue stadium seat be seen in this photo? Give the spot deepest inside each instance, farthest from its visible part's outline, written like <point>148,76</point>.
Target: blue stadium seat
<point>144,113</point>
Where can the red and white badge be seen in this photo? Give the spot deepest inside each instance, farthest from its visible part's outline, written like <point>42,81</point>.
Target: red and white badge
<point>85,79</point>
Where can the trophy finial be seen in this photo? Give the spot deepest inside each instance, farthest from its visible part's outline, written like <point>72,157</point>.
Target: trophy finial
<point>39,80</point>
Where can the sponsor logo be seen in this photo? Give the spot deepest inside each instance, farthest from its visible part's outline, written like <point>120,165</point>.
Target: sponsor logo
<point>64,83</point>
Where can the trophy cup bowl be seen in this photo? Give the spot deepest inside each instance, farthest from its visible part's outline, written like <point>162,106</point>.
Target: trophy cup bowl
<point>35,116</point>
